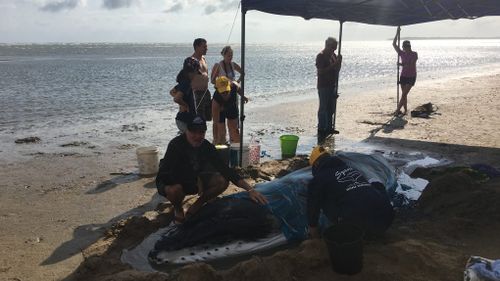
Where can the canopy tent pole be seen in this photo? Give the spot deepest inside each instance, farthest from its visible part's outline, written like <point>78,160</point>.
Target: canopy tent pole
<point>337,79</point>
<point>242,85</point>
<point>397,73</point>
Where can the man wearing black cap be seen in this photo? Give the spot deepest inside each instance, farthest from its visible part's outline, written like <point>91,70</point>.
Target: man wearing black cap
<point>192,165</point>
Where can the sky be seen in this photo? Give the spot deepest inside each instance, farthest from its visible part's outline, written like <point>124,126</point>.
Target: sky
<point>180,21</point>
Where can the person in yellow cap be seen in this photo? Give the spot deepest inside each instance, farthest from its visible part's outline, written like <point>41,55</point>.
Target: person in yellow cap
<point>225,97</point>
<point>229,69</point>
<point>344,195</point>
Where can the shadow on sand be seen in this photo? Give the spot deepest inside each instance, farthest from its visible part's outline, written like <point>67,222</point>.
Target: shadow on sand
<point>395,123</point>
<point>86,235</point>
<point>114,182</point>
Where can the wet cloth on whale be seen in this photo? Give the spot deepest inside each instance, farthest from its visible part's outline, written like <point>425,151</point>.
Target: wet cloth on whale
<point>225,219</point>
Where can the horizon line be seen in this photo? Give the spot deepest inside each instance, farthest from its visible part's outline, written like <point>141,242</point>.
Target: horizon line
<point>248,43</point>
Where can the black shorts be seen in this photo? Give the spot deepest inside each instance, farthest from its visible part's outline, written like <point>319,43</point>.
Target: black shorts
<point>199,181</point>
<point>407,80</point>
<point>202,181</point>
<point>228,113</point>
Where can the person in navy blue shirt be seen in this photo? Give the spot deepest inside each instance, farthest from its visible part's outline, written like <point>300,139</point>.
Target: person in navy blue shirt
<point>344,195</point>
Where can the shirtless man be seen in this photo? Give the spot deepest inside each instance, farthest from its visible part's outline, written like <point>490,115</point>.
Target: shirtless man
<point>199,84</point>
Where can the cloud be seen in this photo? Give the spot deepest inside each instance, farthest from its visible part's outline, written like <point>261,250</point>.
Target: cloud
<point>208,6</point>
<point>118,4</point>
<point>175,8</point>
<point>210,9</point>
<point>55,7</point>
<point>222,5</point>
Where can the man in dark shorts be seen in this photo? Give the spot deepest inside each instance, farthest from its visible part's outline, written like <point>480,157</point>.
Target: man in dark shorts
<point>192,165</point>
<point>344,195</point>
<point>328,66</point>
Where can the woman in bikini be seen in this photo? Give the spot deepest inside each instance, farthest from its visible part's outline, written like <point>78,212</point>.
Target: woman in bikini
<point>408,73</point>
<point>226,68</point>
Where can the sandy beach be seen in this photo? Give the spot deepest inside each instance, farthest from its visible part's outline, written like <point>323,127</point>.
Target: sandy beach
<point>68,216</point>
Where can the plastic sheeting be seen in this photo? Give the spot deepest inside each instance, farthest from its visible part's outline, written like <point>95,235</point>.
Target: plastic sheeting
<point>380,12</point>
<point>287,202</point>
<point>482,269</point>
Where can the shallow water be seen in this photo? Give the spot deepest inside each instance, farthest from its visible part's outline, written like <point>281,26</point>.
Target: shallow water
<point>110,95</point>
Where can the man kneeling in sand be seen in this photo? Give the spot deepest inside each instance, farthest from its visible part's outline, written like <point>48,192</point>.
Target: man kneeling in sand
<point>191,165</point>
<point>345,196</point>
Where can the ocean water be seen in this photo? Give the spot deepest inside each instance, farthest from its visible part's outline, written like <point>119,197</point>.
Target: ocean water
<point>117,94</point>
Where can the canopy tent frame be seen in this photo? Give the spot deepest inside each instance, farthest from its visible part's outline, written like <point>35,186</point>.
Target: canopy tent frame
<point>378,12</point>
<point>337,78</point>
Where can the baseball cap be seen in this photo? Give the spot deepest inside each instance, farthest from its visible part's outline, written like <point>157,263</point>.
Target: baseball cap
<point>316,152</point>
<point>223,84</point>
<point>197,124</point>
<point>191,65</point>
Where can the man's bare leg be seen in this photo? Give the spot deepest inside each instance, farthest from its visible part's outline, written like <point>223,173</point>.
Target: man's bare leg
<point>216,186</point>
<point>175,195</point>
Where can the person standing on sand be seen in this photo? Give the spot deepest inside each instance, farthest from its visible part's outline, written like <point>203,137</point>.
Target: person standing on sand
<point>227,68</point>
<point>408,73</point>
<point>328,67</point>
<point>225,99</point>
<point>192,165</point>
<point>183,94</point>
<point>345,196</point>
<point>199,84</point>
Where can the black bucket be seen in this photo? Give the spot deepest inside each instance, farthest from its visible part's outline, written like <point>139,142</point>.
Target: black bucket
<point>223,151</point>
<point>345,246</point>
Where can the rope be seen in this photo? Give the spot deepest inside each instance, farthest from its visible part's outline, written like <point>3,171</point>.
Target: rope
<point>196,106</point>
<point>234,20</point>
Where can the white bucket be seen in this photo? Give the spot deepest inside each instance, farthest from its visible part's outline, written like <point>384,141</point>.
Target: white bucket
<point>235,154</point>
<point>147,158</point>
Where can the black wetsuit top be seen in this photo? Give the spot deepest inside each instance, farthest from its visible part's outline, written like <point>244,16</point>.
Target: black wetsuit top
<point>229,105</point>
<point>344,194</point>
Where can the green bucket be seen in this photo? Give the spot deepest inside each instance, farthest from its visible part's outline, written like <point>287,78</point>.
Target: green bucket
<point>288,145</point>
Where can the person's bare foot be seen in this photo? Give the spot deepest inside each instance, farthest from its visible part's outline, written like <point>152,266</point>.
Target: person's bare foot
<point>179,216</point>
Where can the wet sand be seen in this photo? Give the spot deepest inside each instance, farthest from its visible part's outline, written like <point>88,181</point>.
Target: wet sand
<point>57,210</point>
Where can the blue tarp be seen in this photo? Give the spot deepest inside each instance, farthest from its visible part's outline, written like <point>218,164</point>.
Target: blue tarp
<point>380,12</point>
<point>287,196</point>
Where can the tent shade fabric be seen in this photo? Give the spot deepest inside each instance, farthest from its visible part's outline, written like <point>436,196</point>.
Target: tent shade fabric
<point>379,12</point>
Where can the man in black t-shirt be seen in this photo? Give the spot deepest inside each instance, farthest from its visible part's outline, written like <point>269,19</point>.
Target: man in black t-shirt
<point>344,195</point>
<point>191,165</point>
